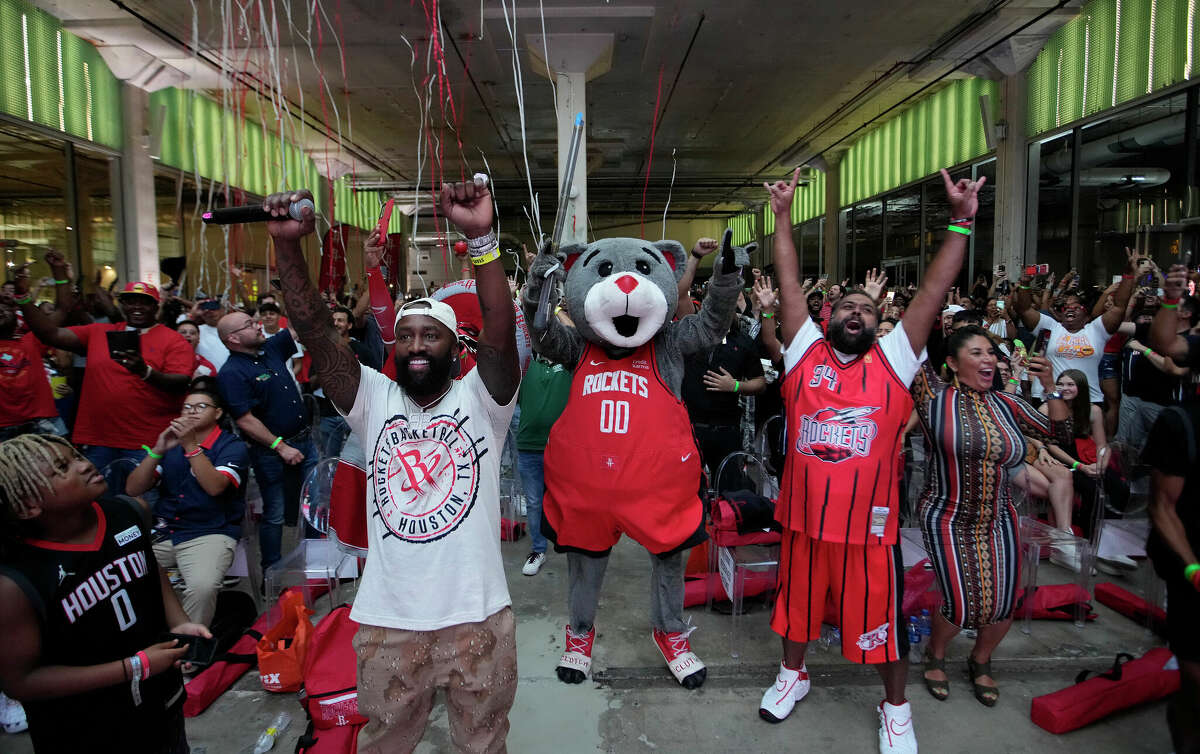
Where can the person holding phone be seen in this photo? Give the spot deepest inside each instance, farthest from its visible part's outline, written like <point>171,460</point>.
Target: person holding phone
<point>130,393</point>
<point>83,608</point>
<point>1076,340</point>
<point>199,470</point>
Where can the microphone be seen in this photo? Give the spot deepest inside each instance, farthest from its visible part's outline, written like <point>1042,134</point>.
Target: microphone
<point>253,213</point>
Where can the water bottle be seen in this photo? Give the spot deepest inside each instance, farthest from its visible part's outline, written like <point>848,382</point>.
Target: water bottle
<point>830,636</point>
<point>914,639</point>
<point>926,624</point>
<point>266,741</point>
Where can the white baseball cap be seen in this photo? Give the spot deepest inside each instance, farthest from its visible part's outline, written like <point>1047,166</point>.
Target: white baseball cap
<point>428,307</point>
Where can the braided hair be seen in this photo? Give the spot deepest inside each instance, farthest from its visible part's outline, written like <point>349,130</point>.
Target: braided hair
<point>27,465</point>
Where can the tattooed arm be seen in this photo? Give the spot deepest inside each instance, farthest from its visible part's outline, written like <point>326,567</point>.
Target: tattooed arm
<point>469,206</point>
<point>307,313</point>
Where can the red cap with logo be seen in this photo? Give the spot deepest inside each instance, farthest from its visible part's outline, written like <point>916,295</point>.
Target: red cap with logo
<point>143,289</point>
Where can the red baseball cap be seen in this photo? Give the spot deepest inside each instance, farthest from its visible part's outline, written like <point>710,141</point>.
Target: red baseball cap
<point>142,289</point>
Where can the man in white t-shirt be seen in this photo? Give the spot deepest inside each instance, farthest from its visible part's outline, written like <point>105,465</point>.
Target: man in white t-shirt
<point>433,605</point>
<point>1076,343</point>
<point>210,311</point>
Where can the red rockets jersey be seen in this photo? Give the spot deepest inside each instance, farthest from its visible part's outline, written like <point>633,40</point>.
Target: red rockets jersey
<point>621,458</point>
<point>845,424</point>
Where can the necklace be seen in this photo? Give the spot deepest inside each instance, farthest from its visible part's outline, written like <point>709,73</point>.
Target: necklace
<point>420,419</point>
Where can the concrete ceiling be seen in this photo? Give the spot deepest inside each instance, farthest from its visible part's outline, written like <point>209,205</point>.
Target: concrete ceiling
<point>748,89</point>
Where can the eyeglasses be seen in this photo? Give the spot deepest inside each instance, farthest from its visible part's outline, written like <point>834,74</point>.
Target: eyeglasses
<point>248,325</point>
<point>195,408</point>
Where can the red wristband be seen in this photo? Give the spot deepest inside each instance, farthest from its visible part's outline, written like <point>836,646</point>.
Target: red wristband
<point>1171,301</point>
<point>1127,277</point>
<point>1196,580</point>
<point>145,664</point>
<point>194,453</point>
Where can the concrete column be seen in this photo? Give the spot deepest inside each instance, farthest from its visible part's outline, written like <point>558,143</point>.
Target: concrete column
<point>833,204</point>
<point>572,101</point>
<point>1012,173</point>
<point>139,252</point>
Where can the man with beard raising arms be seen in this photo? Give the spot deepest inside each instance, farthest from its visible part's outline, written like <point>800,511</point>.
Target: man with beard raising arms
<point>847,402</point>
<point>433,606</point>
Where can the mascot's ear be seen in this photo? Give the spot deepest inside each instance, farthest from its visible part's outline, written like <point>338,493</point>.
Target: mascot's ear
<point>751,247</point>
<point>675,255</point>
<point>569,254</point>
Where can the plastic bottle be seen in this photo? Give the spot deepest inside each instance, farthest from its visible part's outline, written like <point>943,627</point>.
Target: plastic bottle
<point>266,741</point>
<point>830,636</point>
<point>914,639</point>
<point>926,624</point>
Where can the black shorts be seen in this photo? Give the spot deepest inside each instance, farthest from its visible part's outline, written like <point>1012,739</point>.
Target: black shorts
<point>1183,616</point>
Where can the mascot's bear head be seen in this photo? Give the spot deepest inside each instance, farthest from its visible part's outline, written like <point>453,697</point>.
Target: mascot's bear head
<point>620,292</point>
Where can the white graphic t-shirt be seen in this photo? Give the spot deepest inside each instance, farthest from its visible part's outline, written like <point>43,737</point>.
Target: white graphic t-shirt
<point>433,504</point>
<point>1080,350</point>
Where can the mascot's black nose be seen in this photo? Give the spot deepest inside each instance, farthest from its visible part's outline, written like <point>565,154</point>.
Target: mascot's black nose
<point>627,283</point>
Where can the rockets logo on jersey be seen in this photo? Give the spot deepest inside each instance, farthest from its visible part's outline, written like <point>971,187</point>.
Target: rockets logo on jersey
<point>833,435</point>
<point>425,475</point>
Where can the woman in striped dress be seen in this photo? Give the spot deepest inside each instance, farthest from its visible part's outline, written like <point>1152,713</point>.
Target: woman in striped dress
<point>974,438</point>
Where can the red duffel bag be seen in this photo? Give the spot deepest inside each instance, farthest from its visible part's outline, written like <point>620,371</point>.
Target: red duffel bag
<point>1132,606</point>
<point>1128,683</point>
<point>1056,602</point>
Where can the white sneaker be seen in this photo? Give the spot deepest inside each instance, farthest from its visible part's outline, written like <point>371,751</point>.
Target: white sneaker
<point>790,687</point>
<point>12,715</point>
<point>1067,556</point>
<point>896,733</point>
<point>533,563</point>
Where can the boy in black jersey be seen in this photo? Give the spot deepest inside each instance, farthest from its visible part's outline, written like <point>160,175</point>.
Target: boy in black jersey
<point>83,606</point>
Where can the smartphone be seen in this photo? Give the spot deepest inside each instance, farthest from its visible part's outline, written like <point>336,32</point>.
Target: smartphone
<point>1031,270</point>
<point>1000,304</point>
<point>201,651</point>
<point>1043,269</point>
<point>1039,345</point>
<point>123,340</point>
<point>385,219</point>
<point>999,268</point>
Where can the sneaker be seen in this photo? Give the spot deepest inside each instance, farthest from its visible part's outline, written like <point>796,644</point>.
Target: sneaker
<point>12,715</point>
<point>1067,556</point>
<point>683,663</point>
<point>896,733</point>
<point>790,687</point>
<point>533,563</point>
<point>578,657</point>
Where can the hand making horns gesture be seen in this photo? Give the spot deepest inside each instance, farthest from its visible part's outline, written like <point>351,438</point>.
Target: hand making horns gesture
<point>963,195</point>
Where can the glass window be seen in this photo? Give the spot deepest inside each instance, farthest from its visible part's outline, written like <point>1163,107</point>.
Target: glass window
<point>33,206</point>
<point>983,231</point>
<point>902,256</point>
<point>1051,204</point>
<point>811,248</point>
<point>867,241</point>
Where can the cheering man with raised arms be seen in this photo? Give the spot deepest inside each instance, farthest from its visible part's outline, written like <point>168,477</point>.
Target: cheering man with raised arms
<point>433,606</point>
<point>847,401</point>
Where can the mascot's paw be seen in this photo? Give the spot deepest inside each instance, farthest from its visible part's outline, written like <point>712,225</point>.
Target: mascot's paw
<point>734,257</point>
<point>683,663</point>
<point>570,675</point>
<point>695,680</point>
<point>576,662</point>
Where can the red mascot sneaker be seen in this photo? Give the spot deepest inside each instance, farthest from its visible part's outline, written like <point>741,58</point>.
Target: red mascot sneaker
<point>681,660</point>
<point>576,662</point>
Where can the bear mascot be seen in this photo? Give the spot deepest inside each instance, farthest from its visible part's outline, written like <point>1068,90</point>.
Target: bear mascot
<point>622,458</point>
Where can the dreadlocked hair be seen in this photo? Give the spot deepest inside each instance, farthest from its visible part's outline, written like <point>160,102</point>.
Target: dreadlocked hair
<point>23,463</point>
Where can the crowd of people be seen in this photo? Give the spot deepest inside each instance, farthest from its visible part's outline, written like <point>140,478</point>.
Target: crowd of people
<point>1025,382</point>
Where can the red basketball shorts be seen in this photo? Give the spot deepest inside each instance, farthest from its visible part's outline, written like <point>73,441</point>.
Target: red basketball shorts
<point>863,586</point>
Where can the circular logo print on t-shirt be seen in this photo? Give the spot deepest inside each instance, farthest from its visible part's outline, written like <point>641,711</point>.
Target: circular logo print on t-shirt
<point>425,476</point>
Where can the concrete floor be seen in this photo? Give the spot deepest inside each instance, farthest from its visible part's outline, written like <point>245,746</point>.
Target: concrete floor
<point>632,704</point>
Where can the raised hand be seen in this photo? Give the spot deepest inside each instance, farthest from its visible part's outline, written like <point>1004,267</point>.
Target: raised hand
<point>167,439</point>
<point>58,264</point>
<point>764,294</point>
<point>876,281</point>
<point>705,246</point>
<point>1175,283</point>
<point>782,193</point>
<point>963,195</point>
<point>283,227</point>
<point>373,250</point>
<point>469,206</point>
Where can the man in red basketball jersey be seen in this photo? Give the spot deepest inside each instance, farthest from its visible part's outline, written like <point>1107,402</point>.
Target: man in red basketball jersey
<point>847,401</point>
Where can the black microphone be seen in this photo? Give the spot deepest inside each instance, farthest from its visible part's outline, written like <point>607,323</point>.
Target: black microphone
<point>253,213</point>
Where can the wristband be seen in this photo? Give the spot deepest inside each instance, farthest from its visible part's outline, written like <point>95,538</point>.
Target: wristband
<point>1025,287</point>
<point>1014,380</point>
<point>194,453</point>
<point>1189,572</point>
<point>151,453</point>
<point>135,690</point>
<point>1148,352</point>
<point>145,658</point>
<point>737,386</point>
<point>962,220</point>
<point>484,243</point>
<point>483,259</point>
<point>1074,465</point>
<point>276,443</point>
<point>957,229</point>
<point>62,282</point>
<point>766,315</point>
<point>1127,277</point>
<point>27,300</point>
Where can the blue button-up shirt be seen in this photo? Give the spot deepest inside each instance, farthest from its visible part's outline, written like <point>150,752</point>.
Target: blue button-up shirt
<point>264,386</point>
<point>185,507</point>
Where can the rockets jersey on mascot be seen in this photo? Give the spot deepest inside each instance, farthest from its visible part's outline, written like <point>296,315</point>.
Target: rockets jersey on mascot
<point>845,424</point>
<point>98,602</point>
<point>622,429</point>
<point>432,504</point>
